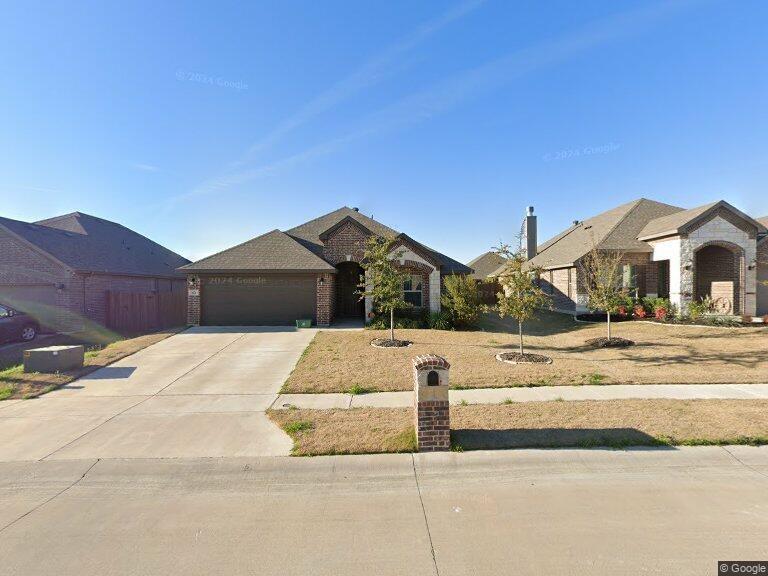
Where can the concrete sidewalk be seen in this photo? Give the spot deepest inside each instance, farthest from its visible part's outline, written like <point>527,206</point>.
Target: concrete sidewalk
<point>542,393</point>
<point>670,512</point>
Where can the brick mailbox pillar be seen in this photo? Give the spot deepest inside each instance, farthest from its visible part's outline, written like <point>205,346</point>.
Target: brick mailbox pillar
<point>430,385</point>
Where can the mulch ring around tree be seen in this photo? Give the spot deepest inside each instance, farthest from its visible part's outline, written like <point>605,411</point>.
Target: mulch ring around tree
<point>612,343</point>
<point>387,343</point>
<point>517,358</point>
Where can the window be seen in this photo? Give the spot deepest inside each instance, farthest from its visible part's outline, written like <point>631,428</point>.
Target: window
<point>412,290</point>
<point>629,276</point>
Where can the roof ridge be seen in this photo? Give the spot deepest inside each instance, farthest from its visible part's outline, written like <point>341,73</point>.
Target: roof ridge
<point>635,205</point>
<point>319,217</point>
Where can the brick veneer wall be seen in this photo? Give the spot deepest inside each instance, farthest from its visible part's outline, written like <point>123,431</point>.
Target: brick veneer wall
<point>326,299</point>
<point>347,240</point>
<point>716,263</point>
<point>432,415</point>
<point>193,300</point>
<point>762,277</point>
<point>80,299</point>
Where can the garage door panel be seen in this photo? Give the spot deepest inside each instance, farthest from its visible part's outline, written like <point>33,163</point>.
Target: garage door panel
<point>257,300</point>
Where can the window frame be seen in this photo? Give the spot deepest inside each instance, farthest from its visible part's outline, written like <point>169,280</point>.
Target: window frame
<point>414,291</point>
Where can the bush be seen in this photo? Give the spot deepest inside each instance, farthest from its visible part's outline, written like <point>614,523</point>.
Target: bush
<point>698,309</point>
<point>461,300</point>
<point>440,321</point>
<point>411,321</point>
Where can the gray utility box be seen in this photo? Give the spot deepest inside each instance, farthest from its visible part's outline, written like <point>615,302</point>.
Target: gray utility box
<point>54,359</point>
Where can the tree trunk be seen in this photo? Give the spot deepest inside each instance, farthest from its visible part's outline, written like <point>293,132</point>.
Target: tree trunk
<point>609,326</point>
<point>391,323</point>
<point>520,330</point>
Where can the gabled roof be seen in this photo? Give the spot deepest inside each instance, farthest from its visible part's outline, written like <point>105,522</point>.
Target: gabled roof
<point>86,243</point>
<point>763,221</point>
<point>308,234</point>
<point>677,223</point>
<point>486,264</point>
<point>346,220</point>
<point>615,229</point>
<point>274,251</point>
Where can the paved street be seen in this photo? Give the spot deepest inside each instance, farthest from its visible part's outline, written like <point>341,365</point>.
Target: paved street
<point>200,393</point>
<point>528,512</point>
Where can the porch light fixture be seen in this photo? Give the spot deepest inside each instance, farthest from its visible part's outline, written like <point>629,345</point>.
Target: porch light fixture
<point>321,281</point>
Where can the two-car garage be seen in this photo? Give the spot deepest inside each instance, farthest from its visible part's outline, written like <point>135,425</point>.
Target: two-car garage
<point>259,299</point>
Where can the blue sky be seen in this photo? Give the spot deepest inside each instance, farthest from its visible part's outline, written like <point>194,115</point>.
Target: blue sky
<point>201,125</point>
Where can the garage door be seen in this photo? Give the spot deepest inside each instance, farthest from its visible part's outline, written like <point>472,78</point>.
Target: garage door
<point>257,300</point>
<point>38,300</point>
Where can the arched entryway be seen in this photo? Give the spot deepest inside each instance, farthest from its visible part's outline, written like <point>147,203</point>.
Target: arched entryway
<point>719,274</point>
<point>348,302</point>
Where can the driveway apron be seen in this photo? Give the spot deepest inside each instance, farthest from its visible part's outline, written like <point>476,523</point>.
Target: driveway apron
<point>200,393</point>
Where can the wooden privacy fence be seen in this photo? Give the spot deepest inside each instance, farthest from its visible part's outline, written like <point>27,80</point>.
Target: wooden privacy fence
<point>140,312</point>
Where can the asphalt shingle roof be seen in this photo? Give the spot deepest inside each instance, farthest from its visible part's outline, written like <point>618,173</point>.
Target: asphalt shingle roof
<point>90,244</point>
<point>615,229</point>
<point>301,249</point>
<point>274,251</point>
<point>485,264</point>
<point>674,223</point>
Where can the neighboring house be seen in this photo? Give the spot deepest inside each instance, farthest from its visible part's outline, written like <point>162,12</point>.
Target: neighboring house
<point>311,271</point>
<point>485,265</point>
<point>683,255</point>
<point>762,270</point>
<point>61,268</point>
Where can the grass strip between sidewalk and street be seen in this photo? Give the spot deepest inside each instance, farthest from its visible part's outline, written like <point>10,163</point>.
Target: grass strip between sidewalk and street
<point>553,424</point>
<point>15,383</point>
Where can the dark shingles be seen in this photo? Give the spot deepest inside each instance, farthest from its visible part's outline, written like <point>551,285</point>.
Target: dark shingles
<point>485,264</point>
<point>89,244</point>
<point>274,251</point>
<point>308,234</point>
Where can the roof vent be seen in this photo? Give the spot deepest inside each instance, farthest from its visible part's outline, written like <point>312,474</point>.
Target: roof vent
<point>576,222</point>
<point>356,209</point>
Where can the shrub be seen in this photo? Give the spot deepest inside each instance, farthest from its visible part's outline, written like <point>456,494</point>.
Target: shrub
<point>660,313</point>
<point>440,321</point>
<point>461,300</point>
<point>639,311</point>
<point>698,309</point>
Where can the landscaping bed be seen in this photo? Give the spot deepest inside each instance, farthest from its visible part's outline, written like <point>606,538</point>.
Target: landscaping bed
<point>14,383</point>
<point>336,361</point>
<point>588,423</point>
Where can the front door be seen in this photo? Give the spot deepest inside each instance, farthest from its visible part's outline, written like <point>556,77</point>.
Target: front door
<point>348,302</point>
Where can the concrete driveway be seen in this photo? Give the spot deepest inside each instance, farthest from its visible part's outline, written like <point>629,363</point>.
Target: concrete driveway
<point>201,393</point>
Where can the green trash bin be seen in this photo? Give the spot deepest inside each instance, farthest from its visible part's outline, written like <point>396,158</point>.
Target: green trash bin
<point>303,323</point>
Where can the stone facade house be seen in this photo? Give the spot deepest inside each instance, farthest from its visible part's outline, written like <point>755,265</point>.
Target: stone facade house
<point>309,272</point>
<point>684,255</point>
<point>60,269</point>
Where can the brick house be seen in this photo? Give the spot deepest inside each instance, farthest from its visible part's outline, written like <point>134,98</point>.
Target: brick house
<point>60,269</point>
<point>311,272</point>
<point>684,255</point>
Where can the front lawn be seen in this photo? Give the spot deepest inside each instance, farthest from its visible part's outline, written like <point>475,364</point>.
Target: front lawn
<point>15,383</point>
<point>588,423</point>
<point>663,354</point>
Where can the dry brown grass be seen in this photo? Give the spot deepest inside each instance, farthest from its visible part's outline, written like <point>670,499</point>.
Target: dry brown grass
<point>357,431</point>
<point>16,384</point>
<point>337,361</point>
<point>589,423</point>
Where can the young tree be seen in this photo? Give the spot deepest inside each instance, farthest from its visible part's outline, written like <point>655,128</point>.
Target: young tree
<point>520,294</point>
<point>462,300</point>
<point>602,273</point>
<point>383,282</point>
